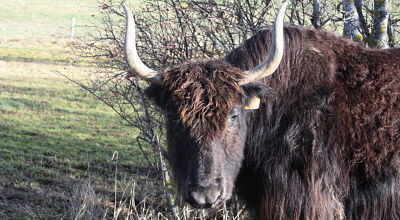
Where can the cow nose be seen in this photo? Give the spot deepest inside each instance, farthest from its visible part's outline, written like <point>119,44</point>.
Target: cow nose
<point>204,197</point>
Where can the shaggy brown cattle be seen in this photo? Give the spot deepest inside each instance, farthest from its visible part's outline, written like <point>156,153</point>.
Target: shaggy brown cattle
<point>324,142</point>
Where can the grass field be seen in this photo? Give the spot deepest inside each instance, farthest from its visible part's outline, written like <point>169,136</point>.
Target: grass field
<point>44,19</point>
<point>63,154</point>
<point>52,137</point>
<point>61,151</point>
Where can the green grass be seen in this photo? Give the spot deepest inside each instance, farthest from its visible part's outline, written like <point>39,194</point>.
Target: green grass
<point>48,19</point>
<point>52,133</point>
<point>51,52</point>
<point>44,19</point>
<point>40,55</point>
<point>53,136</point>
<point>38,31</point>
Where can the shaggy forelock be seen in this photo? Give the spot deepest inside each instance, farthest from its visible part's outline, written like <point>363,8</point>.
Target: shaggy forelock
<point>204,94</point>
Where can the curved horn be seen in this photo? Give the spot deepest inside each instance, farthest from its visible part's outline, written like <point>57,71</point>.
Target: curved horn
<point>271,63</point>
<point>131,54</point>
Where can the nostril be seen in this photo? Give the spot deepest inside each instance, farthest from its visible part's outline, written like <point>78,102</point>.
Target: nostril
<point>213,194</point>
<point>205,197</point>
<point>198,197</point>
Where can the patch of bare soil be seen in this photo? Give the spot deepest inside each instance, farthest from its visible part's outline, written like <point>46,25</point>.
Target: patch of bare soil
<point>71,198</point>
<point>17,201</point>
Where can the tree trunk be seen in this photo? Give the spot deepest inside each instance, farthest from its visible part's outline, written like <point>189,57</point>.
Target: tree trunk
<point>381,17</point>
<point>363,22</point>
<point>352,27</point>
<point>390,33</point>
<point>316,17</point>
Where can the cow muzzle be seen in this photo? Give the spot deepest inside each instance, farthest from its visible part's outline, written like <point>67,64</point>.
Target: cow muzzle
<point>206,197</point>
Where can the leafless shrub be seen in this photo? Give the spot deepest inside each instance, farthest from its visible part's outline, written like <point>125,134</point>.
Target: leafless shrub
<point>172,32</point>
<point>169,32</point>
<point>86,204</point>
<point>135,198</point>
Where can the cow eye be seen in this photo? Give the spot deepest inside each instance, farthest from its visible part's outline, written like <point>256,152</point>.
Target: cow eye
<point>233,121</point>
<point>234,116</point>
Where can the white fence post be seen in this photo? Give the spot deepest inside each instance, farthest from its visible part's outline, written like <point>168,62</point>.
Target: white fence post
<point>72,29</point>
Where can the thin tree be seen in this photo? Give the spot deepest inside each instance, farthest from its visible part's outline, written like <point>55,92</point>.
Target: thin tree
<point>316,17</point>
<point>381,21</point>
<point>352,27</point>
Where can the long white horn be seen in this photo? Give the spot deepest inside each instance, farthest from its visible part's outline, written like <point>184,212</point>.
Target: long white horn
<point>274,58</point>
<point>131,55</point>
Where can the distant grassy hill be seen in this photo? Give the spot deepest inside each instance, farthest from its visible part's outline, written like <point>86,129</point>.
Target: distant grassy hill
<point>44,19</point>
<point>39,31</point>
<point>56,142</point>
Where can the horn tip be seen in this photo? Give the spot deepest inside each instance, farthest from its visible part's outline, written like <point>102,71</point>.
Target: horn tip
<point>284,5</point>
<point>126,9</point>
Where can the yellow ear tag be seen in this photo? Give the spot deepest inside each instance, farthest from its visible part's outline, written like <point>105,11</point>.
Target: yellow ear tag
<point>184,5</point>
<point>254,103</point>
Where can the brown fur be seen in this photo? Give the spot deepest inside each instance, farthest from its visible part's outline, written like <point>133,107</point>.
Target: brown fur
<point>324,145</point>
<point>204,93</point>
<point>343,100</point>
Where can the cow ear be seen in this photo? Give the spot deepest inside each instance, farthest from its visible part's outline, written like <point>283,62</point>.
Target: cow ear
<point>254,93</point>
<point>157,93</point>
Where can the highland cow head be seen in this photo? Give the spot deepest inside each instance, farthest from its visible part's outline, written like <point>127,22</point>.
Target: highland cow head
<point>206,105</point>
